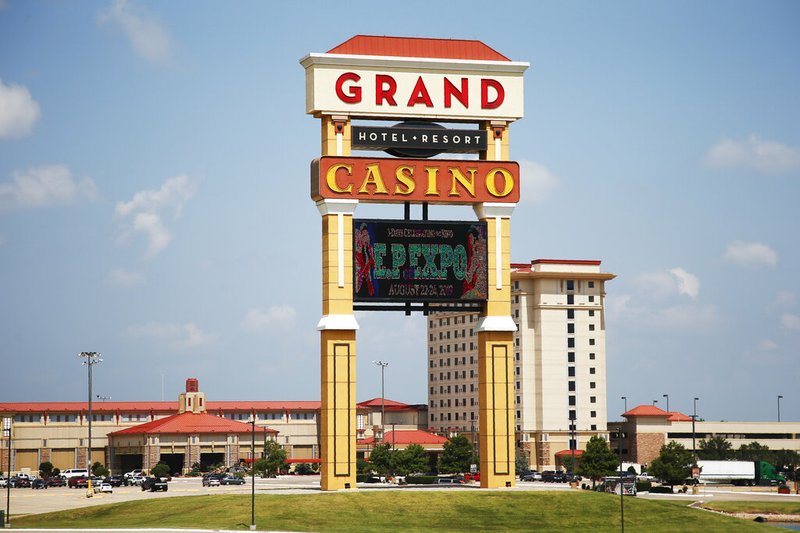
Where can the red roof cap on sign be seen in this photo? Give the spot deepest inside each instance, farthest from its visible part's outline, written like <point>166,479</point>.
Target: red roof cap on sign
<point>376,402</point>
<point>373,45</point>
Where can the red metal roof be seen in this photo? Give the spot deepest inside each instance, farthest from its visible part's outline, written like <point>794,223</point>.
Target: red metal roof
<point>133,407</point>
<point>376,402</point>
<point>647,410</point>
<point>373,45</point>
<point>192,423</point>
<point>568,453</point>
<point>675,416</point>
<point>408,436</point>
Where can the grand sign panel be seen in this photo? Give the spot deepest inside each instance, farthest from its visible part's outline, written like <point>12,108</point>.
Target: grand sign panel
<point>432,261</point>
<point>391,180</point>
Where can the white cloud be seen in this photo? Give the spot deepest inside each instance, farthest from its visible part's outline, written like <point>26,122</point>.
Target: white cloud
<point>119,277</point>
<point>756,153</point>
<point>258,319</point>
<point>785,299</point>
<point>45,186</point>
<point>750,254</point>
<point>791,321</point>
<point>664,284</point>
<point>144,211</point>
<point>688,284</point>
<point>144,32</point>
<point>536,182</point>
<point>179,337</point>
<point>18,111</point>
<point>767,345</point>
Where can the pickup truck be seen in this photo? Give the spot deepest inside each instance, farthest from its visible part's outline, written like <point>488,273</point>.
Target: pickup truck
<point>154,484</point>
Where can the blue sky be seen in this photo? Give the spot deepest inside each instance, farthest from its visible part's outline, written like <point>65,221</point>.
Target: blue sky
<point>154,199</point>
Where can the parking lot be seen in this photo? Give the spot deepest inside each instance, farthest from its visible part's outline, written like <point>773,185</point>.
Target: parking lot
<point>28,501</point>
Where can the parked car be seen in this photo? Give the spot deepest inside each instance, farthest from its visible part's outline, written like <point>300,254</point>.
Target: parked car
<point>450,480</point>
<point>552,476</point>
<point>56,481</point>
<point>20,482</point>
<point>134,480</point>
<point>472,477</point>
<point>114,481</point>
<point>136,472</point>
<point>154,484</point>
<point>3,482</point>
<point>210,480</point>
<point>570,478</point>
<point>103,487</point>
<point>78,482</point>
<point>232,480</point>
<point>75,472</point>
<point>39,483</point>
<point>533,475</point>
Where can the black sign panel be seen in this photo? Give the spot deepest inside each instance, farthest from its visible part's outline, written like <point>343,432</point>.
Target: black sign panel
<point>432,261</point>
<point>417,139</point>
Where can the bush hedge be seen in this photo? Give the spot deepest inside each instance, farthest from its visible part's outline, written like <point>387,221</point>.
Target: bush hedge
<point>664,489</point>
<point>421,480</point>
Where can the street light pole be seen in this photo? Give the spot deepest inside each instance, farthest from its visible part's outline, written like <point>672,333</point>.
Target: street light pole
<point>667,397</point>
<point>625,398</point>
<point>621,481</point>
<point>91,359</point>
<point>253,475</point>
<point>383,366</point>
<point>7,432</point>
<point>694,419</point>
<point>779,407</point>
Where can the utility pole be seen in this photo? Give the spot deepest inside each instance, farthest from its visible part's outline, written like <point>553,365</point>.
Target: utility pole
<point>383,366</point>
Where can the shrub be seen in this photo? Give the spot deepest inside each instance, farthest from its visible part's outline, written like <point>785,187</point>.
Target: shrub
<point>643,486</point>
<point>421,480</point>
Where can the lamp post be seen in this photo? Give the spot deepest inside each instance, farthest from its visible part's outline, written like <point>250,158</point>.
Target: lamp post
<point>7,433</point>
<point>621,482</point>
<point>667,397</point>
<point>383,366</point>
<point>694,419</point>
<point>253,475</point>
<point>779,407</point>
<point>90,359</point>
<point>625,398</point>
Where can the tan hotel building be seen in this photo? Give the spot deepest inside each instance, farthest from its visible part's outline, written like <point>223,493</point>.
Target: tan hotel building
<point>559,361</point>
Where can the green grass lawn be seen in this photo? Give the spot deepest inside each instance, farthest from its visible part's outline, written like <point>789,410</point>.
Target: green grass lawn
<point>792,507</point>
<point>399,510</point>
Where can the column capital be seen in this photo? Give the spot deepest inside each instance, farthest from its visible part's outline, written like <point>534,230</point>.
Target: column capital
<point>334,206</point>
<point>496,323</point>
<point>337,322</point>
<point>493,210</point>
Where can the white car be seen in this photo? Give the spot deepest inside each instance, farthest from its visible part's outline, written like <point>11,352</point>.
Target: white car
<point>137,472</point>
<point>3,482</point>
<point>103,487</point>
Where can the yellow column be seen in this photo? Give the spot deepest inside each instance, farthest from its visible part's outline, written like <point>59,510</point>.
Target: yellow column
<point>337,348</point>
<point>495,354</point>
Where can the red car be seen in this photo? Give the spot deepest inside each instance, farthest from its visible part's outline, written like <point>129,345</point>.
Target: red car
<point>472,477</point>
<point>78,482</point>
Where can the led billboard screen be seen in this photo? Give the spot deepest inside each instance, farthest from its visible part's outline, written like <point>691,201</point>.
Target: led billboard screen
<point>408,261</point>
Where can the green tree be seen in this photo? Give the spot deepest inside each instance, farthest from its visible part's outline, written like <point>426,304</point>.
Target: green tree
<point>521,465</point>
<point>46,469</point>
<point>715,449</point>
<point>456,456</point>
<point>99,470</point>
<point>412,459</point>
<point>673,464</point>
<point>382,459</point>
<point>753,452</point>
<point>363,467</point>
<point>160,470</point>
<point>597,460</point>
<point>274,460</point>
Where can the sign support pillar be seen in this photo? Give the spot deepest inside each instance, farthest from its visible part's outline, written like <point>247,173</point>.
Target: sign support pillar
<point>496,354</point>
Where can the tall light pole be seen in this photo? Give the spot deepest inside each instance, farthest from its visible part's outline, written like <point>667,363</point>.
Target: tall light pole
<point>7,434</point>
<point>625,398</point>
<point>694,419</point>
<point>383,366</point>
<point>253,475</point>
<point>90,359</point>
<point>667,397</point>
<point>621,481</point>
<point>779,407</point>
